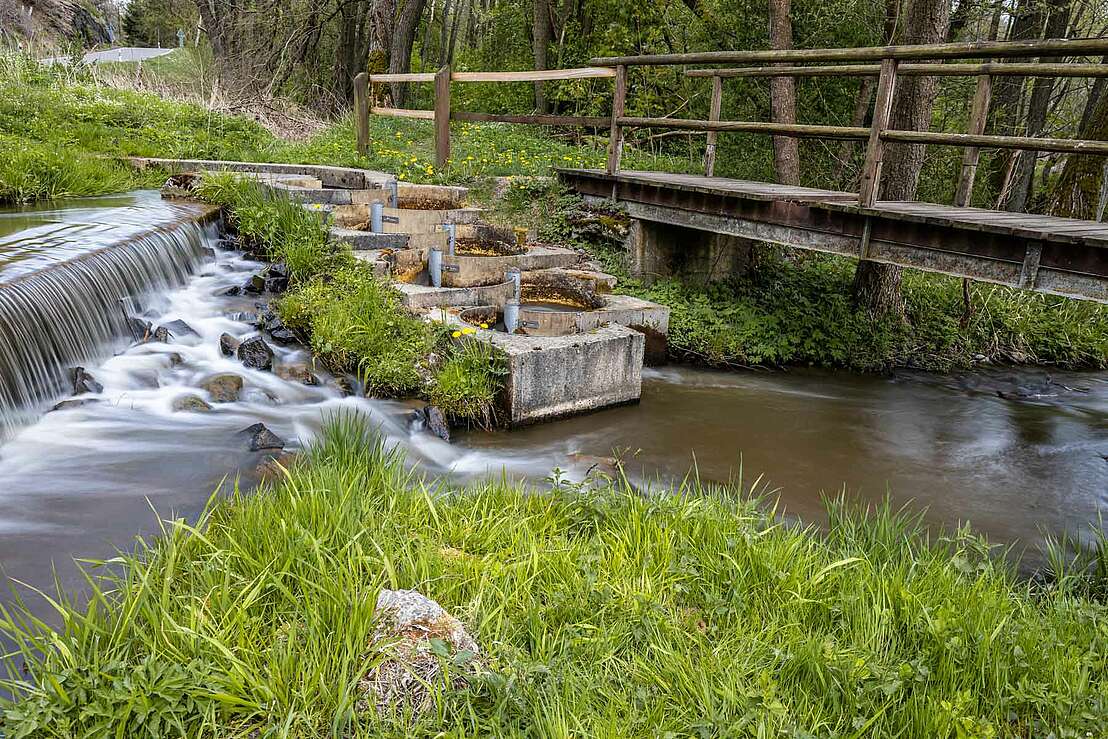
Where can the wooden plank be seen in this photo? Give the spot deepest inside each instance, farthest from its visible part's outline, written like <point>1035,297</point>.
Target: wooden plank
<point>406,77</point>
<point>713,115</point>
<point>783,129</point>
<point>615,133</point>
<point>361,113</point>
<point>961,50</point>
<point>1028,143</point>
<point>537,120</point>
<point>875,148</point>
<point>442,117</point>
<point>978,117</point>
<point>581,73</point>
<point>427,115</point>
<point>916,70</point>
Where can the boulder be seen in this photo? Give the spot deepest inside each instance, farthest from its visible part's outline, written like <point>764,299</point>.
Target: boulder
<point>415,635</point>
<point>83,382</point>
<point>254,286</point>
<point>228,345</point>
<point>223,388</point>
<point>175,359</point>
<point>296,372</point>
<point>435,422</point>
<point>191,404</point>
<point>261,438</point>
<point>255,353</point>
<point>273,467</point>
<point>73,403</point>
<point>277,277</point>
<point>179,328</point>
<point>283,336</point>
<point>231,291</point>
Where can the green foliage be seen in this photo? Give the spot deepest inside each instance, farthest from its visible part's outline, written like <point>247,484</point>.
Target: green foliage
<point>156,22</point>
<point>286,231</point>
<point>599,612</point>
<point>358,324</point>
<point>467,384</point>
<point>30,172</point>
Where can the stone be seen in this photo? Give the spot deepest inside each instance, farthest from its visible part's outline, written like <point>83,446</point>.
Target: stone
<point>141,330</point>
<point>261,438</point>
<point>147,379</point>
<point>179,328</point>
<point>273,467</point>
<point>411,630</point>
<point>255,353</point>
<point>231,291</point>
<point>296,372</point>
<point>283,336</point>
<point>83,382</point>
<point>73,403</point>
<point>228,345</point>
<point>254,286</point>
<point>175,359</point>
<point>224,388</point>
<point>191,404</point>
<point>277,278</point>
<point>345,386</point>
<point>436,423</point>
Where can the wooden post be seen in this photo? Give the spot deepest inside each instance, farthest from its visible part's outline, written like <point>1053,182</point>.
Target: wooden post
<point>875,148</point>
<point>361,112</point>
<point>713,115</point>
<point>615,136</point>
<point>442,117</point>
<point>972,154</point>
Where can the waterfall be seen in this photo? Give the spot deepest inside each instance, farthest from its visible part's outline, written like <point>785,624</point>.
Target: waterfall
<point>74,312</point>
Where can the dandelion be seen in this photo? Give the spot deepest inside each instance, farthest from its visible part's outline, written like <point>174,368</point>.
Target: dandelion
<point>457,334</point>
<point>484,325</point>
<point>467,330</point>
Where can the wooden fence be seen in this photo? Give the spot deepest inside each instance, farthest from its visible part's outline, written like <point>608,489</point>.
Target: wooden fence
<point>883,62</point>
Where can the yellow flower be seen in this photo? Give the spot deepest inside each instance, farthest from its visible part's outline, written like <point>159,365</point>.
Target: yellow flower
<point>456,334</point>
<point>467,330</point>
<point>484,325</point>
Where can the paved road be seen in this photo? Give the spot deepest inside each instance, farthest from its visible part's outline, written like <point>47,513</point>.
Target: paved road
<point>122,54</point>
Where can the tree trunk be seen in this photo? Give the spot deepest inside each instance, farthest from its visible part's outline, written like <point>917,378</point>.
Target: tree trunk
<point>877,286</point>
<point>403,37</point>
<point>540,41</point>
<point>1078,188</point>
<point>782,91</point>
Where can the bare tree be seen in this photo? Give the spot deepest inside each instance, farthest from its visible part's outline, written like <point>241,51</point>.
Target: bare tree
<point>403,37</point>
<point>877,286</point>
<point>786,150</point>
<point>541,30</point>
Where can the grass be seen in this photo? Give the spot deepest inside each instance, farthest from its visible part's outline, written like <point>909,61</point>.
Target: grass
<point>599,612</point>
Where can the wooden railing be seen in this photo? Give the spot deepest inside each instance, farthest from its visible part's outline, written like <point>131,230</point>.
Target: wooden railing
<point>921,60</point>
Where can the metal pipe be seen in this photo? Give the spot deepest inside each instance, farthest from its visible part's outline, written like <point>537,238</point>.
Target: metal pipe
<point>376,217</point>
<point>434,266</point>
<point>511,316</point>
<point>452,236</point>
<point>394,194</point>
<point>516,278</point>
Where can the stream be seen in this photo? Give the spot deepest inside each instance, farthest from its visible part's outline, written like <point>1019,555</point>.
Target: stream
<point>1018,453</point>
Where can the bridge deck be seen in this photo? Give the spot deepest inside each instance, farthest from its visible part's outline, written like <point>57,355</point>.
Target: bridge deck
<point>1044,253</point>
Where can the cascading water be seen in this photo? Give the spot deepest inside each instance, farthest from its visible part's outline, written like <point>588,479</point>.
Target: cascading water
<point>73,312</point>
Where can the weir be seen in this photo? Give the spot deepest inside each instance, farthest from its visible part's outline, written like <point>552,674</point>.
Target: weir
<point>72,312</point>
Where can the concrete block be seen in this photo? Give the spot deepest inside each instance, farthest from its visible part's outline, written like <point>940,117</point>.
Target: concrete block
<point>663,250</point>
<point>420,298</point>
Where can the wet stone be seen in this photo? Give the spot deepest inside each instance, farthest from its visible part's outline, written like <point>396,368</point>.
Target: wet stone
<point>228,345</point>
<point>282,336</point>
<point>83,382</point>
<point>191,404</point>
<point>233,290</point>
<point>261,438</point>
<point>436,423</point>
<point>255,353</point>
<point>296,372</point>
<point>175,359</point>
<point>223,388</point>
<point>277,278</point>
<point>255,285</point>
<point>179,328</point>
<point>73,403</point>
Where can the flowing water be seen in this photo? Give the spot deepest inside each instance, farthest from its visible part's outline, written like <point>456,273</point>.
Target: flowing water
<point>85,480</point>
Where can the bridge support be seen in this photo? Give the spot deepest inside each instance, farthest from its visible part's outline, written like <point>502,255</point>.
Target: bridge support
<point>663,250</point>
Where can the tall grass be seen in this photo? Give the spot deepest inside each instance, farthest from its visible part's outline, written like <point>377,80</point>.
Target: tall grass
<point>31,172</point>
<point>599,612</point>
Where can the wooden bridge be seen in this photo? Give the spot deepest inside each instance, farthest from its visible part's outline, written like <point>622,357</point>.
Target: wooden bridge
<point>1044,253</point>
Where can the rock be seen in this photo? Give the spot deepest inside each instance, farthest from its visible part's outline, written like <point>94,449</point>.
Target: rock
<point>228,345</point>
<point>255,353</point>
<point>223,388</point>
<point>233,290</point>
<point>343,385</point>
<point>147,379</point>
<point>410,629</point>
<point>175,359</point>
<point>254,286</point>
<point>296,372</point>
<point>181,185</point>
<point>436,423</point>
<point>261,438</point>
<point>144,332</point>
<point>179,328</point>
<point>274,466</point>
<point>83,382</point>
<point>73,403</point>
<point>277,277</point>
<point>283,336</point>
<point>191,404</point>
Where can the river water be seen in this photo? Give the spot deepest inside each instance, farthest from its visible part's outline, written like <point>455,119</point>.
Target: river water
<point>1016,454</point>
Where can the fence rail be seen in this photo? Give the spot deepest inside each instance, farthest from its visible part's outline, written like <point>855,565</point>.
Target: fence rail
<point>920,60</point>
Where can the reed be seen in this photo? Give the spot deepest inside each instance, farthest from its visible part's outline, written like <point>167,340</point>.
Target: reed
<point>600,612</point>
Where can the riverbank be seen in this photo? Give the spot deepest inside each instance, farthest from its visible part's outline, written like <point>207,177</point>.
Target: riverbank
<point>791,309</point>
<point>595,610</point>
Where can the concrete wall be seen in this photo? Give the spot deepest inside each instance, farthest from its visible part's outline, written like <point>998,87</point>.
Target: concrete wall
<point>344,177</point>
<point>662,250</point>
